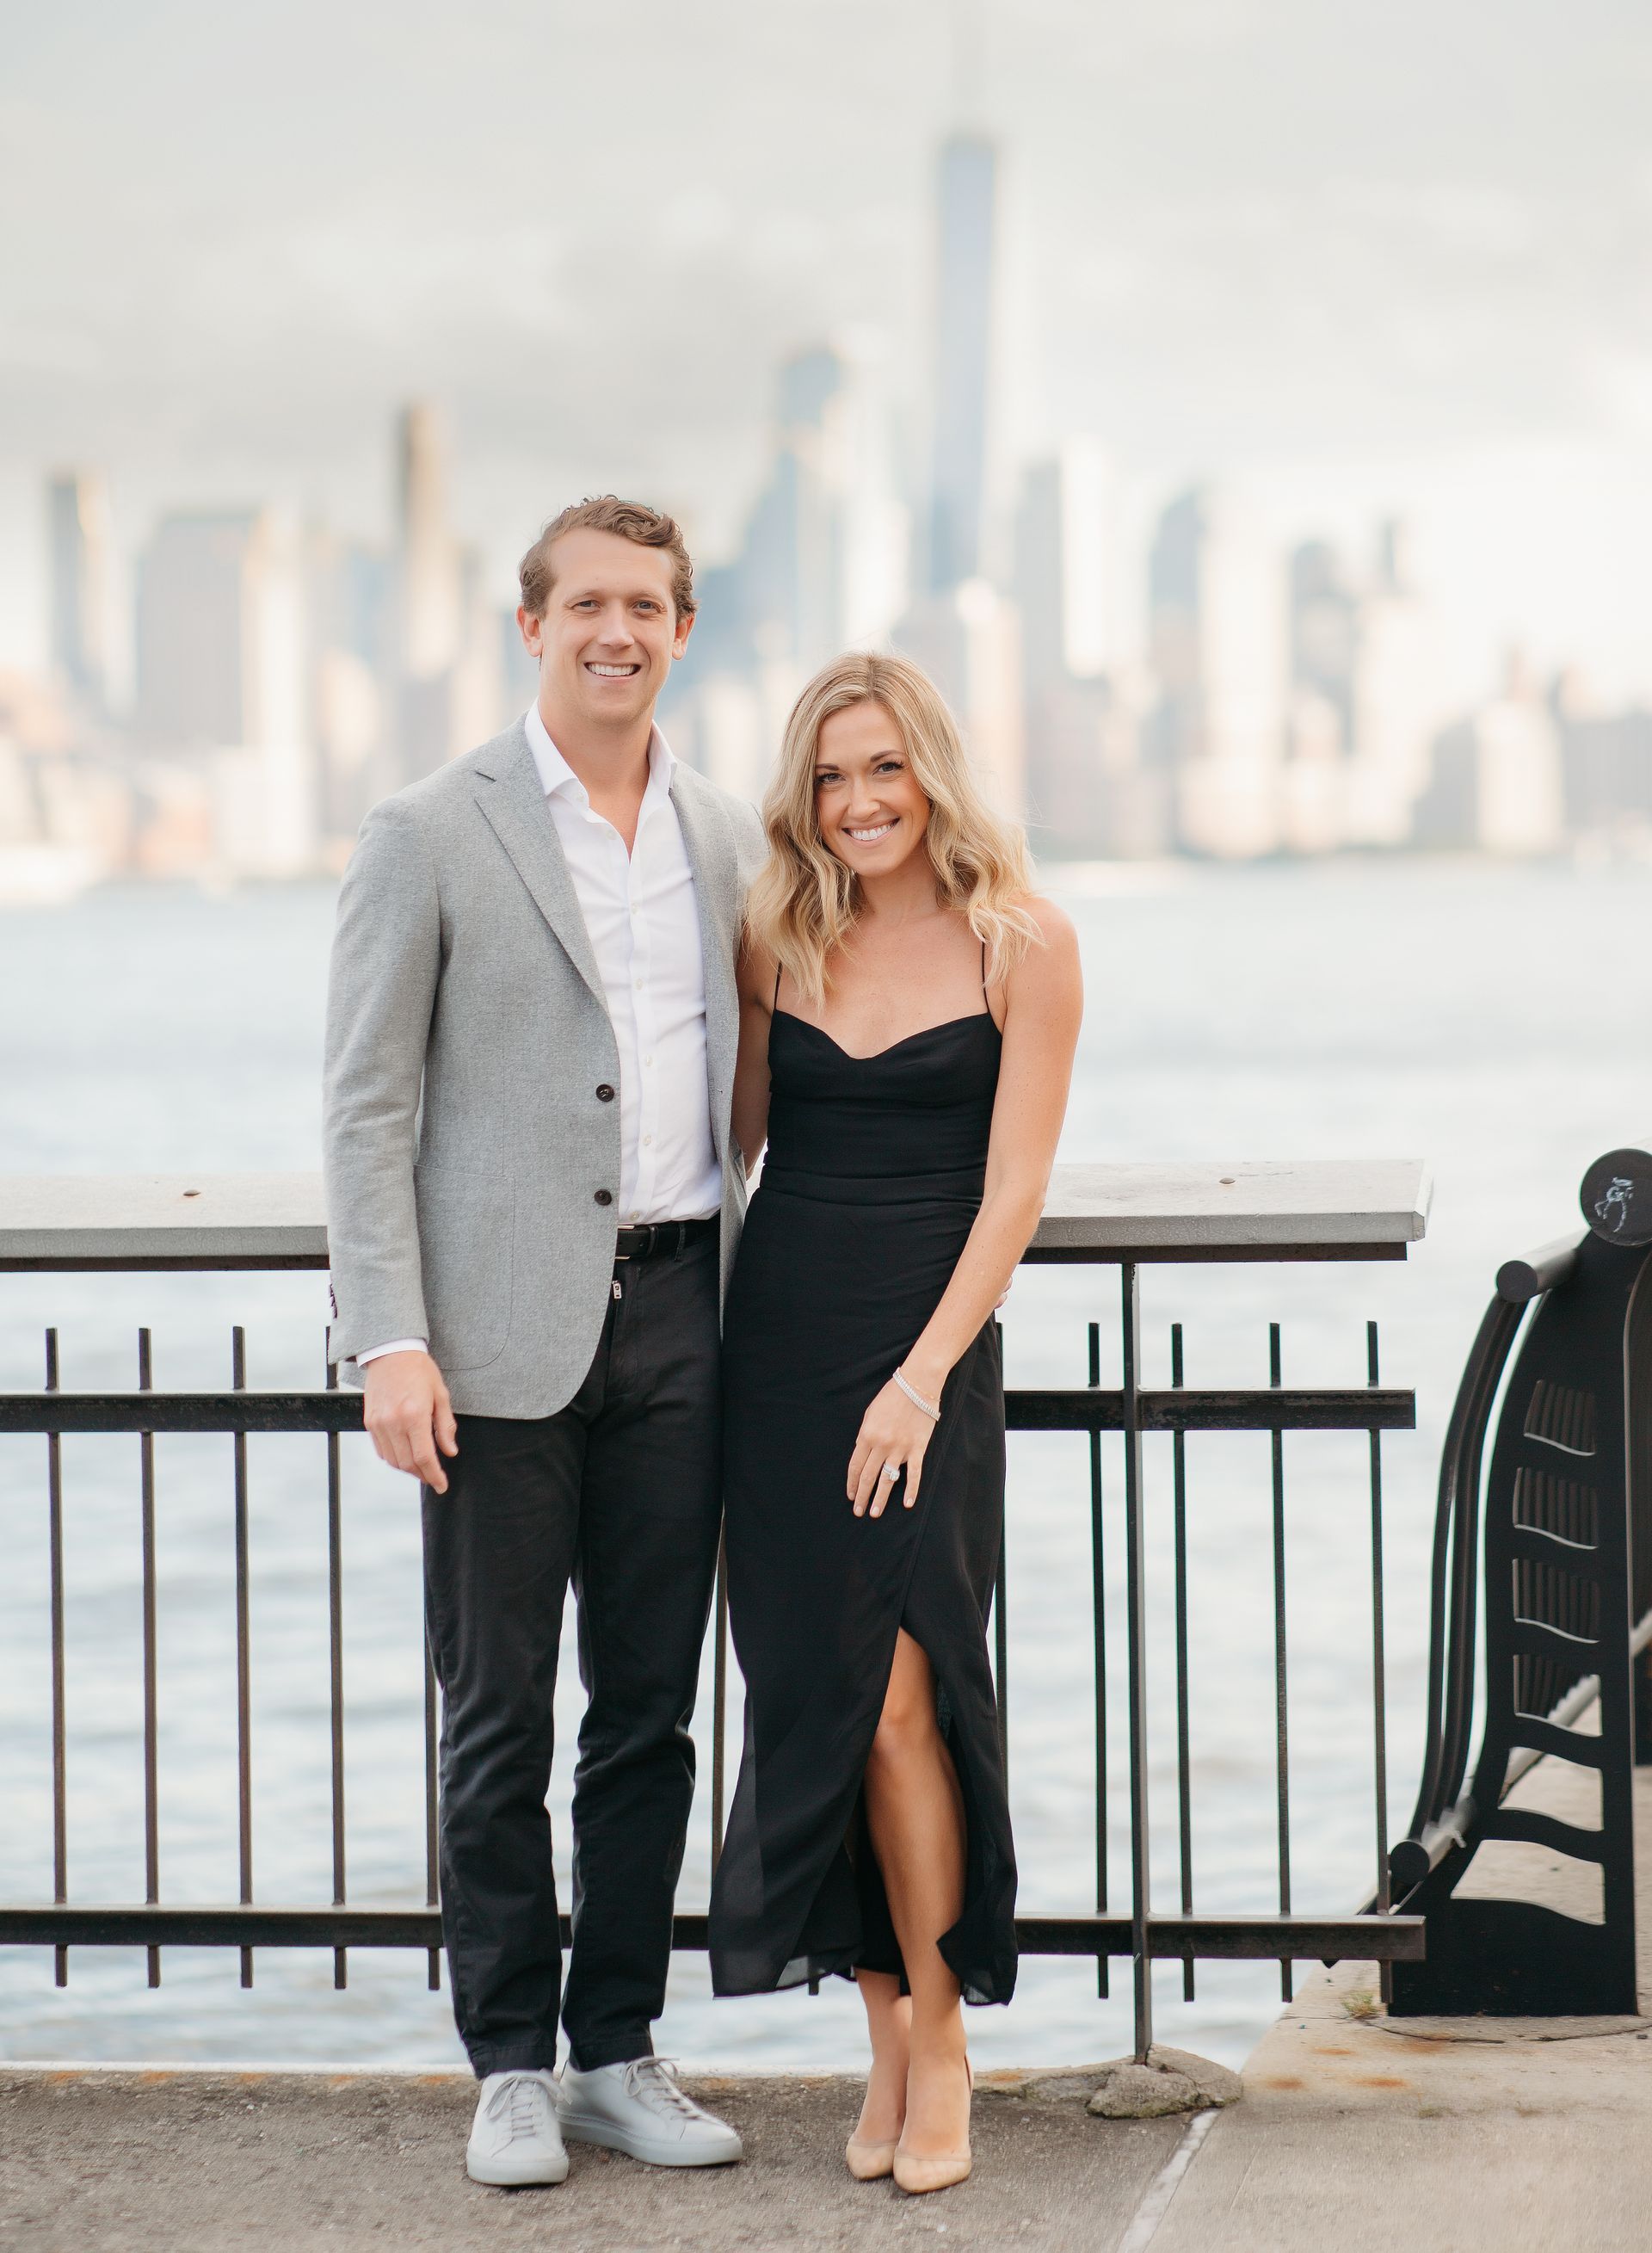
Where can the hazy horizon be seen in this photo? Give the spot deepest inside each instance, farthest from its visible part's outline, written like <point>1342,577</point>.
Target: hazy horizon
<point>1388,259</point>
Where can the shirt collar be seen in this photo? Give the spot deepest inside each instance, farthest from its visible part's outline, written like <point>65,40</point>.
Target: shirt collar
<point>555,773</point>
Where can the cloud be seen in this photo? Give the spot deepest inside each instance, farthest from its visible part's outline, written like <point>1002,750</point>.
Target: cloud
<point>1238,231</point>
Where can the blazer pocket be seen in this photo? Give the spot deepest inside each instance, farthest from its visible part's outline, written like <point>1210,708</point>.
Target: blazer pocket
<point>466,1247</point>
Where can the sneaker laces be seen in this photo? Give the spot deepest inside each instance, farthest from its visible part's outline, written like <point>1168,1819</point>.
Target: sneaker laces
<point>653,2079</point>
<point>517,2102</point>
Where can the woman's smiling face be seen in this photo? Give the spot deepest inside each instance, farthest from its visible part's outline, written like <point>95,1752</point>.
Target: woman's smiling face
<point>873,815</point>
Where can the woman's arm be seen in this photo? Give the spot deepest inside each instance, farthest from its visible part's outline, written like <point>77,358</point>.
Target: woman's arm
<point>1044,1004</point>
<point>754,976</point>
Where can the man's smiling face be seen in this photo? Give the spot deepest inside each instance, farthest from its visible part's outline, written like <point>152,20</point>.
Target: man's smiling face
<point>609,631</point>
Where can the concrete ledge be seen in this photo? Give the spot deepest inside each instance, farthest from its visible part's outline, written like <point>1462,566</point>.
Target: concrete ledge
<point>1244,1209</point>
<point>1239,1206</point>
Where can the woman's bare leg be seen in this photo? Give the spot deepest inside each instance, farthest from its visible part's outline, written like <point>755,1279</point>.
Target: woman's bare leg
<point>914,1814</point>
<point>888,2021</point>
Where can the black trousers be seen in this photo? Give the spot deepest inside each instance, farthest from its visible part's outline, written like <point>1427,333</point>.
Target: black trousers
<point>621,1492</point>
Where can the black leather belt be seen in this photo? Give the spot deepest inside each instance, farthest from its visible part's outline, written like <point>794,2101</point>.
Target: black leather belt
<point>662,1239</point>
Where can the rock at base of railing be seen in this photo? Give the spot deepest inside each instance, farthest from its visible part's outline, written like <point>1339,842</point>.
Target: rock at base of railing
<point>1171,2081</point>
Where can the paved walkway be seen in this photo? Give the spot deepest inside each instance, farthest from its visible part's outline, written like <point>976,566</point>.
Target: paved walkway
<point>204,2163</point>
<point>1527,2134</point>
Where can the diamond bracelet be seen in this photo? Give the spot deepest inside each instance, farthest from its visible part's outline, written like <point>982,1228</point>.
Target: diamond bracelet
<point>917,1399</point>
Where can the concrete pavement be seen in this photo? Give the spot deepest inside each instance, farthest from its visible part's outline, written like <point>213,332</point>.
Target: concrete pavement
<point>1442,2135</point>
<point>98,2161</point>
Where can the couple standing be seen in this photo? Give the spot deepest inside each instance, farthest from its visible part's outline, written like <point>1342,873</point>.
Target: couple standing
<point>576,990</point>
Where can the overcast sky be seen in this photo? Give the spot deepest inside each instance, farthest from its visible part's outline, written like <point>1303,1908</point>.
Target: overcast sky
<point>1359,253</point>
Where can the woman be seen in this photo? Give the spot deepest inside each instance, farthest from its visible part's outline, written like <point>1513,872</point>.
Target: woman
<point>909,1015</point>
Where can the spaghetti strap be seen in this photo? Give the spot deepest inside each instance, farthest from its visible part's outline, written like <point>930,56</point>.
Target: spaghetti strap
<point>985,995</point>
<point>774,1004</point>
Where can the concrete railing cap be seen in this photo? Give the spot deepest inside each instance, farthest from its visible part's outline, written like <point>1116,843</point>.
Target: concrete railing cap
<point>1246,1209</point>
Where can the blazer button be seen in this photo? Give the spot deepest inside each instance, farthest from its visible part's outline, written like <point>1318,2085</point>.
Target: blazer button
<point>604,1093</point>
<point>605,1197</point>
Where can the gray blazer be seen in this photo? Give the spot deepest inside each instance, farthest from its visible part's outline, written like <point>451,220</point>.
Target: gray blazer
<point>464,1141</point>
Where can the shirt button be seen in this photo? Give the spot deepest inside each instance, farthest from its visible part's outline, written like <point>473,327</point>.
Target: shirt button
<point>605,1197</point>
<point>648,1059</point>
<point>604,1093</point>
<point>647,1142</point>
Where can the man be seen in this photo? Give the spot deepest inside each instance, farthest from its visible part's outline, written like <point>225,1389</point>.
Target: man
<point>533,1203</point>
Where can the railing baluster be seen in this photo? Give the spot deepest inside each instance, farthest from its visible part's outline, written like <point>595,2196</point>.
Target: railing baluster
<point>719,1699</point>
<point>1136,1599</point>
<point>60,1702</point>
<point>1179,1456</point>
<point>243,1647</point>
<point>1379,1664</point>
<point>151,1766</point>
<point>1098,1606</point>
<point>1282,1752</point>
<point>335,1675</point>
<point>432,1849</point>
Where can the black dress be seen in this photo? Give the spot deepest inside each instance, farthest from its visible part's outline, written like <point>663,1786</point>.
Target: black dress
<point>872,1180</point>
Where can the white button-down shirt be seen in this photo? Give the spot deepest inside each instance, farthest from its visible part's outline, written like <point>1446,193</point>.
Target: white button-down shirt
<point>639,911</point>
<point>644,925</point>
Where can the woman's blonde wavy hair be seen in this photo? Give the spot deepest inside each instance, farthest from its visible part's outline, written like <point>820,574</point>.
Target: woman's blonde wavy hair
<point>805,901</point>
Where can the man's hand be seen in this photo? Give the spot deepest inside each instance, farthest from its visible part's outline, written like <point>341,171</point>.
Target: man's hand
<point>408,1416</point>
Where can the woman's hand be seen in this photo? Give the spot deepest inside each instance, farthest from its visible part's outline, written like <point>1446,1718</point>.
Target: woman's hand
<point>892,1432</point>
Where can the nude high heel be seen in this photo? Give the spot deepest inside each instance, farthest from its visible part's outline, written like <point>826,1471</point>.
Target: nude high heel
<point>916,2176</point>
<point>869,2162</point>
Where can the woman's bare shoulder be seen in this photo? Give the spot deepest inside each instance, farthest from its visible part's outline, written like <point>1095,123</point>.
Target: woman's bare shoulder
<point>1056,926</point>
<point>1052,961</point>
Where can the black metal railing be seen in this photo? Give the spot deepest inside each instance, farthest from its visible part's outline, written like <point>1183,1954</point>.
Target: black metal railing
<point>1139,1413</point>
<point>1565,1554</point>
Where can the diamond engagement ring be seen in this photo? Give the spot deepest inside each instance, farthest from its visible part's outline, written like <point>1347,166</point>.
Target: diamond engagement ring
<point>891,1471</point>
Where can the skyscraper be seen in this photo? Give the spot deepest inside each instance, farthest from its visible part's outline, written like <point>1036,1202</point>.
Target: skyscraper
<point>443,703</point>
<point>963,358</point>
<point>791,566</point>
<point>968,641</point>
<point>1497,783</point>
<point>1219,650</point>
<point>1084,792</point>
<point>1066,574</point>
<point>78,506</point>
<point>823,564</point>
<point>430,563</point>
<point>1398,702</point>
<point>193,689</point>
<point>223,678</point>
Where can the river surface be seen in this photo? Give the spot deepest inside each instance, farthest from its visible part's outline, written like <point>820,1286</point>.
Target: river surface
<point>1490,1020</point>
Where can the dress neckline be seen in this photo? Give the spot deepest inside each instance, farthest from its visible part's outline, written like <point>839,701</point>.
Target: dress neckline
<point>945,1025</point>
<point>974,1017</point>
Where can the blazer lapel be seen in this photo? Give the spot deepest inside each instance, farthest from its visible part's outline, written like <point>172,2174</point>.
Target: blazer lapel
<point>514,803</point>
<point>710,848</point>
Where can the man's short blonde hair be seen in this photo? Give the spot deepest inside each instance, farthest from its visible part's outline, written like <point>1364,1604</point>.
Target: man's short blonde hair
<point>631,520</point>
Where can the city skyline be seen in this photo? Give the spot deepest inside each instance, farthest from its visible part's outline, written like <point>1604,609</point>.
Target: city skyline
<point>286,676</point>
<point>1361,267</point>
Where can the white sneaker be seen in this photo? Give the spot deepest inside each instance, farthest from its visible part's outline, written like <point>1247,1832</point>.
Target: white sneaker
<point>642,2107</point>
<point>514,2137</point>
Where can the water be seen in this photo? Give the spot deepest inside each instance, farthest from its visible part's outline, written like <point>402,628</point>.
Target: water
<point>1490,1020</point>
